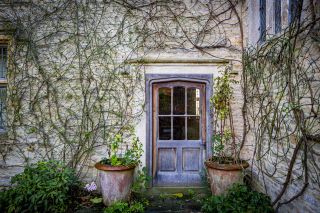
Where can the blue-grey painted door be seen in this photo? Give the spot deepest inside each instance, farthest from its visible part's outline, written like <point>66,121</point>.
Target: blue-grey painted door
<point>178,133</point>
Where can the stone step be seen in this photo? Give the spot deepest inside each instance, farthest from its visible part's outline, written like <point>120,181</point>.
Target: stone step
<point>173,190</point>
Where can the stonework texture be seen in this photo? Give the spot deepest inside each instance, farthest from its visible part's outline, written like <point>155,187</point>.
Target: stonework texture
<point>33,137</point>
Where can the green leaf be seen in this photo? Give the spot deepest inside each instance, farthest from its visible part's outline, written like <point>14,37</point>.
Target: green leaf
<point>96,200</point>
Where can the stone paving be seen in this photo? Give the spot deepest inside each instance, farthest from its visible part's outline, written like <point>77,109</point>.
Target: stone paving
<point>176,201</point>
<point>173,205</point>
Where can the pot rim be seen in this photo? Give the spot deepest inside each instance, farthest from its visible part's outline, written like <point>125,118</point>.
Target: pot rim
<point>105,167</point>
<point>227,167</point>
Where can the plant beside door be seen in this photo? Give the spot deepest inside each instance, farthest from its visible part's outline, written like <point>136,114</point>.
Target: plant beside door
<point>225,166</point>
<point>117,172</point>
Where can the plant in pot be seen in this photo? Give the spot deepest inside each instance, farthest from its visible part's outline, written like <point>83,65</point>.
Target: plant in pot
<point>116,172</point>
<point>225,166</point>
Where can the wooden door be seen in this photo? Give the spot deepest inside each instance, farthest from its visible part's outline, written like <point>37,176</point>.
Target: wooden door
<point>178,133</point>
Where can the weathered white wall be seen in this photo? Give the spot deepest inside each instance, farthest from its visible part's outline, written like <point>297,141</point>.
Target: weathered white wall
<point>272,184</point>
<point>191,61</point>
<point>172,50</point>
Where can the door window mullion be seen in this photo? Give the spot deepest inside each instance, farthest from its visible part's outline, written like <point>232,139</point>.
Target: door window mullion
<point>185,113</point>
<point>171,113</point>
<point>200,113</point>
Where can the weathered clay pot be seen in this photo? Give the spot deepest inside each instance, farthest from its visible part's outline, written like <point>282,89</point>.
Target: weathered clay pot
<point>116,182</point>
<point>222,176</point>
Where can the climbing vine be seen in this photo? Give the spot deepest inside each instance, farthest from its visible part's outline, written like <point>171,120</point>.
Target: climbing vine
<point>71,85</point>
<point>224,141</point>
<point>282,80</point>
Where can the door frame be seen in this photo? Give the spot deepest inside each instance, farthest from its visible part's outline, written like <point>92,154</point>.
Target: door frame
<point>150,79</point>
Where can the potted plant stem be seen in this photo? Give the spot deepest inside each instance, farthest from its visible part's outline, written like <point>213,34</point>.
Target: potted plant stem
<point>225,166</point>
<point>116,172</point>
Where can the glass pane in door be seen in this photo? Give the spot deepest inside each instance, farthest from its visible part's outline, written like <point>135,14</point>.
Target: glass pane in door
<point>193,101</point>
<point>193,123</point>
<point>165,128</point>
<point>179,128</point>
<point>178,100</point>
<point>164,101</point>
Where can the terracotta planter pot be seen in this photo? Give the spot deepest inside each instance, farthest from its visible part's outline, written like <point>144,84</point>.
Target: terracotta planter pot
<point>222,176</point>
<point>116,182</point>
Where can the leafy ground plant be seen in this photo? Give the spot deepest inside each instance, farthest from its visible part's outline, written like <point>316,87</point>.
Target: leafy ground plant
<point>123,207</point>
<point>42,187</point>
<point>239,199</point>
<point>141,183</point>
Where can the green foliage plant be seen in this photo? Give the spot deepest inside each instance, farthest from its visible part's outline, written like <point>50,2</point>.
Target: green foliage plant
<point>130,157</point>
<point>141,182</point>
<point>96,200</point>
<point>191,193</point>
<point>42,187</point>
<point>224,144</point>
<point>123,207</point>
<point>238,199</point>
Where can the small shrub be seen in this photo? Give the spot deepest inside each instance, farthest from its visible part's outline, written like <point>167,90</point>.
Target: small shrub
<point>42,187</point>
<point>141,182</point>
<point>239,199</point>
<point>123,207</point>
<point>191,193</point>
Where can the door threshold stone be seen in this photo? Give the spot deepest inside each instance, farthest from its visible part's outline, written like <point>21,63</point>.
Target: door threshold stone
<point>157,190</point>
